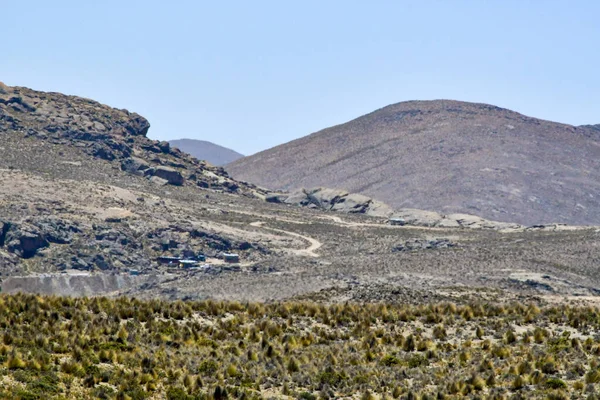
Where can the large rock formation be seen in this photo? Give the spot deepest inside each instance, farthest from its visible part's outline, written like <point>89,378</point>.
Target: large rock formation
<point>109,134</point>
<point>333,200</point>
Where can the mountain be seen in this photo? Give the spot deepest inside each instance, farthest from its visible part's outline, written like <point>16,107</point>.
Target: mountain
<point>447,156</point>
<point>89,205</point>
<point>203,150</point>
<point>83,188</point>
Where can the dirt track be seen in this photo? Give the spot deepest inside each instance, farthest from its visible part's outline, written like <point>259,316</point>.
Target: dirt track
<point>309,251</point>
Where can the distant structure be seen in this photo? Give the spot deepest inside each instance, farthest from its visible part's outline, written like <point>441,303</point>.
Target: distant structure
<point>188,263</point>
<point>182,262</point>
<point>169,260</point>
<point>231,258</point>
<point>397,221</point>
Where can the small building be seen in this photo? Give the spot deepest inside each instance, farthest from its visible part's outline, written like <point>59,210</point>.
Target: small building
<point>169,260</point>
<point>397,221</point>
<point>188,263</point>
<point>134,272</point>
<point>231,258</point>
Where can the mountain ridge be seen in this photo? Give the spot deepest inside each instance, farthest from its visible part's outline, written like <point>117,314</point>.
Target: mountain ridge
<point>446,156</point>
<point>204,150</point>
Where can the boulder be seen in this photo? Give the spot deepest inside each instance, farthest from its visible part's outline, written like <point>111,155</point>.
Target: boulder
<point>56,230</point>
<point>297,198</point>
<point>379,209</point>
<point>25,240</point>
<point>137,125</point>
<point>164,146</point>
<point>333,200</point>
<point>169,174</point>
<point>134,165</point>
<point>4,227</point>
<point>276,198</point>
<point>418,217</point>
<point>351,203</point>
<point>325,198</point>
<point>101,151</point>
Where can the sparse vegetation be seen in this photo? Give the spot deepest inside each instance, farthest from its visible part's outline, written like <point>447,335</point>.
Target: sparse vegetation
<point>56,347</point>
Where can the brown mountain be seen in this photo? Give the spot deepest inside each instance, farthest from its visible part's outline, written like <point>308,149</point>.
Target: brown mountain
<point>447,156</point>
<point>208,151</point>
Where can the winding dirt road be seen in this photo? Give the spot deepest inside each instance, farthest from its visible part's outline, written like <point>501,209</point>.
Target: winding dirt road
<point>309,251</point>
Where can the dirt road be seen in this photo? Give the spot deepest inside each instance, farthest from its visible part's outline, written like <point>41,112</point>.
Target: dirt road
<point>309,251</point>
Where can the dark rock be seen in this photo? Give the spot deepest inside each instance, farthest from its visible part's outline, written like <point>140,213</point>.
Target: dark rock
<point>25,240</point>
<point>101,151</point>
<point>57,230</point>
<point>4,227</point>
<point>152,148</point>
<point>231,186</point>
<point>276,198</point>
<point>165,147</point>
<point>245,246</point>
<point>134,165</point>
<point>137,125</point>
<point>79,264</point>
<point>171,175</point>
<point>424,244</point>
<point>101,262</point>
<point>213,241</point>
<point>18,104</point>
<point>119,147</point>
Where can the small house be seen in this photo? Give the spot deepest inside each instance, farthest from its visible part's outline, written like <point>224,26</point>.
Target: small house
<point>169,260</point>
<point>188,263</point>
<point>231,258</point>
<point>397,221</point>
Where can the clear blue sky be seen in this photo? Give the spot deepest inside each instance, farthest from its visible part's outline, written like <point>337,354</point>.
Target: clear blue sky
<point>253,74</point>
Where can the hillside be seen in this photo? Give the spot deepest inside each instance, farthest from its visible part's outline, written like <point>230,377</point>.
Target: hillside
<point>89,205</point>
<point>450,157</point>
<point>203,150</point>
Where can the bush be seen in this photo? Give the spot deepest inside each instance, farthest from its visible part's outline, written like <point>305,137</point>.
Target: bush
<point>556,383</point>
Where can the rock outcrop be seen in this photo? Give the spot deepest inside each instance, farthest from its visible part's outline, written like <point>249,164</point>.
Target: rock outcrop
<point>109,134</point>
<point>333,200</point>
<point>424,244</point>
<point>424,218</point>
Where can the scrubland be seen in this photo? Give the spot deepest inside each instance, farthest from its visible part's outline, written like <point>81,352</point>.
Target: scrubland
<point>125,348</point>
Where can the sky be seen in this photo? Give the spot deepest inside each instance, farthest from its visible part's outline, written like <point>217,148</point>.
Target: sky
<point>250,75</point>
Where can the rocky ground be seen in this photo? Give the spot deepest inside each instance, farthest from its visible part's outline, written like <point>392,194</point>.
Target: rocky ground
<point>88,203</point>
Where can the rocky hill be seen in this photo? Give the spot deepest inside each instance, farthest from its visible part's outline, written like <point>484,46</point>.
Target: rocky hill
<point>89,205</point>
<point>105,133</point>
<point>203,150</point>
<point>82,187</point>
<point>450,157</point>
